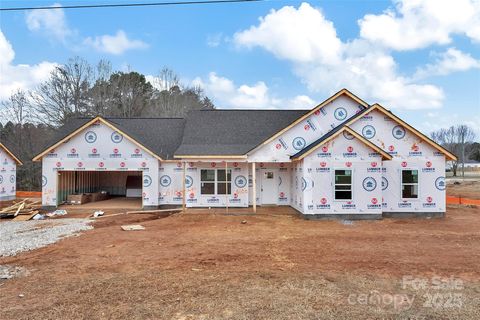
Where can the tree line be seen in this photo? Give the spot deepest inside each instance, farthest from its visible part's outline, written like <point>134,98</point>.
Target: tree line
<point>460,140</point>
<point>80,89</point>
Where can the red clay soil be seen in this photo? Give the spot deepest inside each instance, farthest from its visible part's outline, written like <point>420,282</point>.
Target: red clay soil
<point>196,261</point>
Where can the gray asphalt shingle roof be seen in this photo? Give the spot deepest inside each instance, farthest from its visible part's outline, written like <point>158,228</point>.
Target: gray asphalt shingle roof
<point>202,132</point>
<point>232,132</point>
<point>160,135</point>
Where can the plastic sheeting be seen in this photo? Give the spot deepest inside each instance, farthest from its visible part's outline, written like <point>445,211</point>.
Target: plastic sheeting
<point>8,176</point>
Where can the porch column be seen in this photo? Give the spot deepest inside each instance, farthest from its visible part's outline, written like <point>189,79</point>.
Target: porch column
<point>226,186</point>
<point>184,187</point>
<point>254,187</point>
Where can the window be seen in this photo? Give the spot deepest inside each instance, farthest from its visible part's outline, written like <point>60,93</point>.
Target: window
<point>269,175</point>
<point>343,184</point>
<point>207,182</point>
<point>224,182</point>
<point>215,181</point>
<point>409,184</point>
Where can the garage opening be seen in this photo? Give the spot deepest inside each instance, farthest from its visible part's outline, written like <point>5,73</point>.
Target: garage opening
<point>100,189</point>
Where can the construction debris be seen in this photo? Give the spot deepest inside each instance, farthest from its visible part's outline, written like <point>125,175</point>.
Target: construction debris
<point>98,213</point>
<point>38,216</point>
<point>21,210</point>
<point>55,213</point>
<point>132,227</point>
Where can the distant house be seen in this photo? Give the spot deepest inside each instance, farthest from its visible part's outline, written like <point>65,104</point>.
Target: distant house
<point>8,173</point>
<point>342,159</point>
<point>470,164</point>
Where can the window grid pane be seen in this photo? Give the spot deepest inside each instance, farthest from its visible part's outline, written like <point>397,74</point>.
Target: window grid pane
<point>207,188</point>
<point>207,175</point>
<point>343,185</point>
<point>410,184</point>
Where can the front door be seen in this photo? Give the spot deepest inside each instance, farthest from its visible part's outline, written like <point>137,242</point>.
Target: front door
<point>269,187</point>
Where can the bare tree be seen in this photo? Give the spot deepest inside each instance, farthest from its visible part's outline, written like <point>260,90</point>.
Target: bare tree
<point>173,99</point>
<point>455,139</point>
<point>64,94</point>
<point>17,108</point>
<point>130,94</point>
<point>465,135</point>
<point>100,93</point>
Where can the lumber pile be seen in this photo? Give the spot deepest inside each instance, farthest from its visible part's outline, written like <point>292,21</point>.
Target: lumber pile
<point>21,210</point>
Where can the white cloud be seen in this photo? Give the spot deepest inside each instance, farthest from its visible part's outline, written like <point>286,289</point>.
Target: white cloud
<point>414,24</point>
<point>52,22</point>
<point>326,64</point>
<point>452,60</point>
<point>114,44</point>
<point>226,94</point>
<point>302,35</point>
<point>20,76</point>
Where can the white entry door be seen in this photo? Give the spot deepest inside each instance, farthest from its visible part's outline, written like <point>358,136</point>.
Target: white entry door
<point>269,187</point>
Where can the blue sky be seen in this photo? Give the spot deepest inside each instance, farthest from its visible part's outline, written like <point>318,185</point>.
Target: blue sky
<point>420,59</point>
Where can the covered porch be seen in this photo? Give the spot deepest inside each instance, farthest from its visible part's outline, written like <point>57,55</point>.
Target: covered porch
<point>235,183</point>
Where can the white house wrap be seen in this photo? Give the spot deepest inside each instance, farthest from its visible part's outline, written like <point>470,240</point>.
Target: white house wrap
<point>342,159</point>
<point>8,173</point>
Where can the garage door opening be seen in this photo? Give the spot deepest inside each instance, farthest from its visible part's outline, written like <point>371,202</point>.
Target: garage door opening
<point>100,189</point>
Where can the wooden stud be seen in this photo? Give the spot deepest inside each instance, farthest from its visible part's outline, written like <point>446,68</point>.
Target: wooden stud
<point>184,187</point>
<point>226,186</point>
<point>254,187</point>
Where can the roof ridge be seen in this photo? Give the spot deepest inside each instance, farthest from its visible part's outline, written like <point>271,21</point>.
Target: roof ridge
<point>133,118</point>
<point>252,110</point>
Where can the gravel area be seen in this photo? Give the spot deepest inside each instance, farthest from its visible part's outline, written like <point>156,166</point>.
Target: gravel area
<point>9,272</point>
<point>18,236</point>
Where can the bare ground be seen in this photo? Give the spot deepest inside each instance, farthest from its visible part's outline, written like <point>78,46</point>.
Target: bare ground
<point>465,189</point>
<point>276,266</point>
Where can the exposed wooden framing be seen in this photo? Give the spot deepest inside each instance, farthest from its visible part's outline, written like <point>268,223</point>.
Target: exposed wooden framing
<point>376,106</point>
<point>254,188</point>
<point>226,187</point>
<point>384,154</point>
<point>10,154</point>
<point>86,125</point>
<point>184,187</point>
<point>308,114</point>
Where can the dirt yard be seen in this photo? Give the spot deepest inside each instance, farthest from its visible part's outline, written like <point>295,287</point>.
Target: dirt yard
<point>274,266</point>
<point>465,189</point>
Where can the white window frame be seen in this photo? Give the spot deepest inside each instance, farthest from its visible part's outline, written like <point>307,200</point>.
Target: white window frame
<point>351,185</point>
<point>410,184</point>
<point>216,182</point>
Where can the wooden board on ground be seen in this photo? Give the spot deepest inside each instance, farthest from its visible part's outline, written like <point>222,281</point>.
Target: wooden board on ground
<point>24,207</point>
<point>132,227</point>
<point>25,217</point>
